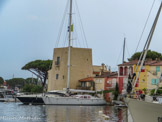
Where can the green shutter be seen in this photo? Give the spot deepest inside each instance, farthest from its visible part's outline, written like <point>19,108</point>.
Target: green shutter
<point>157,81</point>
<point>157,69</point>
<point>153,81</point>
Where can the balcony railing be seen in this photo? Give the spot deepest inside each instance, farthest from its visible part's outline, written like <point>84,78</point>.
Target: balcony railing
<point>85,87</point>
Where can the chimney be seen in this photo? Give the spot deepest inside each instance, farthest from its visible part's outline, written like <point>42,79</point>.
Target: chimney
<point>109,69</point>
<point>102,67</point>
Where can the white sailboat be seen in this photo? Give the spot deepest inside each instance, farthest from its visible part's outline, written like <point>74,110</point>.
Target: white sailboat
<point>147,110</point>
<point>65,97</point>
<point>68,99</point>
<point>73,100</point>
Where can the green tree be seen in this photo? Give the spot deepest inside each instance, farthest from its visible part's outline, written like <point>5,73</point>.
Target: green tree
<point>37,89</point>
<point>135,56</point>
<point>39,68</point>
<point>159,91</point>
<point>145,91</point>
<point>116,92</point>
<point>129,85</point>
<point>32,88</point>
<point>31,81</point>
<point>1,81</point>
<point>16,82</point>
<point>27,88</point>
<point>150,55</point>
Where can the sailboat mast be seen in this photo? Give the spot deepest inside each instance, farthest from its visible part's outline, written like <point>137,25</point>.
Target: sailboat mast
<point>148,44</point>
<point>69,48</point>
<point>70,21</point>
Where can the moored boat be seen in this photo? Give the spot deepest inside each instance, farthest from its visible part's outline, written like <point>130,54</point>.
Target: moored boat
<point>7,95</point>
<point>79,99</point>
<point>35,99</point>
<point>145,109</point>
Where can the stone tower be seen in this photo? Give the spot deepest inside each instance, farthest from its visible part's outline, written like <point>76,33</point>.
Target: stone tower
<point>81,67</point>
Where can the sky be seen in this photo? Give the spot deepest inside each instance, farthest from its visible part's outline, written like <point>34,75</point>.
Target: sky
<point>29,30</point>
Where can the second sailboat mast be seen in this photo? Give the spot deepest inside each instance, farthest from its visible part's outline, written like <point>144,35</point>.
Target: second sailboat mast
<point>69,51</point>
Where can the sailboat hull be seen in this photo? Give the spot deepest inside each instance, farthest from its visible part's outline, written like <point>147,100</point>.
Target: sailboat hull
<point>72,101</point>
<point>143,111</point>
<point>31,99</point>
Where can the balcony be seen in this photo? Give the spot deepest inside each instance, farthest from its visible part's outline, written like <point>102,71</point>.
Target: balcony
<point>85,87</point>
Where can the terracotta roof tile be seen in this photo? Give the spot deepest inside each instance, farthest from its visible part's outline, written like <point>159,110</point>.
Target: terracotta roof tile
<point>90,79</point>
<point>147,62</point>
<point>150,62</point>
<point>107,74</point>
<point>158,63</point>
<point>130,63</point>
<point>97,73</point>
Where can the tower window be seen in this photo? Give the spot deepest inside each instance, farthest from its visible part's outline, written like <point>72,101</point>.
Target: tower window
<point>57,76</point>
<point>57,61</point>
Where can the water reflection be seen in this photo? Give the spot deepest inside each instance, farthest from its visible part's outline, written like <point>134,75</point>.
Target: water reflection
<point>16,112</point>
<point>85,113</point>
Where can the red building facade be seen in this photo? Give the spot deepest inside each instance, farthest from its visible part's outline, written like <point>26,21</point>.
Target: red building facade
<point>124,70</point>
<point>110,82</point>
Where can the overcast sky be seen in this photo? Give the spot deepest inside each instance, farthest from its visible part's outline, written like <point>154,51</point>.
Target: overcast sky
<point>29,30</point>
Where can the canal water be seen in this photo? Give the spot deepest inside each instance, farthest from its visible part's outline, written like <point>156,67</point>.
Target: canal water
<point>17,112</point>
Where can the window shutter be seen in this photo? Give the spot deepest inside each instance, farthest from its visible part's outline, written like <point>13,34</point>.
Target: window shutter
<point>153,81</point>
<point>157,81</point>
<point>157,69</point>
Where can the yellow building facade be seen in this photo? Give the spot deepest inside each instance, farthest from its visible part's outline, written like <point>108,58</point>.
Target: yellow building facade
<point>142,81</point>
<point>153,77</point>
<point>149,76</point>
<point>99,83</point>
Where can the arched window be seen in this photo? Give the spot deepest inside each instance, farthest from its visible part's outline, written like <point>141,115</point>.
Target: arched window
<point>125,71</point>
<point>121,70</point>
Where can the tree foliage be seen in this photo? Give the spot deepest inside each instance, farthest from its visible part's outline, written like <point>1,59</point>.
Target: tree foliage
<point>15,82</point>
<point>150,55</point>
<point>27,88</point>
<point>159,91</point>
<point>31,81</point>
<point>37,89</point>
<point>129,85</point>
<point>32,88</point>
<point>1,81</point>
<point>144,90</point>
<point>116,92</point>
<point>21,82</point>
<point>39,68</point>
